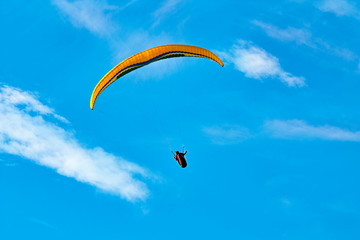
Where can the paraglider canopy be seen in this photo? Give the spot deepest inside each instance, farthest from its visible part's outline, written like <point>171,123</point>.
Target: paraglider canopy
<point>146,57</point>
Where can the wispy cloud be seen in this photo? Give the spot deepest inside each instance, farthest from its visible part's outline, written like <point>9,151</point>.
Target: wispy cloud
<point>290,34</point>
<point>293,129</point>
<point>339,8</point>
<point>129,3</point>
<point>96,16</point>
<point>256,63</point>
<point>167,7</point>
<point>43,223</point>
<point>26,130</point>
<point>28,101</point>
<point>336,51</point>
<point>93,15</point>
<point>226,134</point>
<point>285,202</point>
<point>304,37</point>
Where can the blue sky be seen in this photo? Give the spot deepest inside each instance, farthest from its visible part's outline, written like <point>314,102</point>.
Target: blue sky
<point>273,137</point>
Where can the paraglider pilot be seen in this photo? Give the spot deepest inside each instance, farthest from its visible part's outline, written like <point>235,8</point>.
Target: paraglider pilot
<point>180,158</point>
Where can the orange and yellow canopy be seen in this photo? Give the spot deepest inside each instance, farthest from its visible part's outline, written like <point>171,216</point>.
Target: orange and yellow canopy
<point>146,57</point>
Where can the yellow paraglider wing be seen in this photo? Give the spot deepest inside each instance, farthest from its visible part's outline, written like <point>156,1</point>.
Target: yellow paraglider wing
<point>146,57</point>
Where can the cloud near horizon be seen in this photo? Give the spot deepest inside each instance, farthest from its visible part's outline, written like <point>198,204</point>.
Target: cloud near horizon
<point>298,129</point>
<point>256,63</point>
<point>26,131</point>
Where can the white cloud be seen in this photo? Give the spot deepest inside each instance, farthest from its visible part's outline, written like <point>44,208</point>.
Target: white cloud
<point>300,36</point>
<point>25,132</point>
<point>226,134</point>
<point>291,129</point>
<point>256,63</point>
<point>339,7</point>
<point>94,15</point>
<point>29,101</point>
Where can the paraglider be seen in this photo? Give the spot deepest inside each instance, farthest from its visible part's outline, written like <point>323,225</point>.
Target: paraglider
<point>180,158</point>
<point>146,57</point>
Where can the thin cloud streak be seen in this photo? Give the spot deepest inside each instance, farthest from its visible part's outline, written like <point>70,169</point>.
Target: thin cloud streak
<point>26,131</point>
<point>226,134</point>
<point>167,7</point>
<point>43,223</point>
<point>131,2</point>
<point>304,37</point>
<point>93,15</point>
<point>256,63</point>
<point>298,129</point>
<point>290,34</point>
